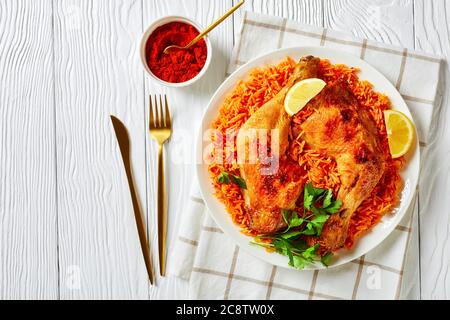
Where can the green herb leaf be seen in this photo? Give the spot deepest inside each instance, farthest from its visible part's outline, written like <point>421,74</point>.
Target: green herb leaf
<point>326,259</point>
<point>240,182</point>
<point>318,222</point>
<point>299,262</point>
<point>224,177</point>
<point>309,232</point>
<point>291,234</point>
<point>298,245</point>
<point>334,207</point>
<point>315,210</point>
<point>312,196</point>
<point>290,255</point>
<point>306,257</point>
<point>287,215</point>
<point>291,218</point>
<point>316,192</point>
<point>308,200</point>
<point>328,199</point>
<point>310,253</point>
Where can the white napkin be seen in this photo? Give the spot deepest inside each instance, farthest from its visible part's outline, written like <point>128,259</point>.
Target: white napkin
<point>214,265</point>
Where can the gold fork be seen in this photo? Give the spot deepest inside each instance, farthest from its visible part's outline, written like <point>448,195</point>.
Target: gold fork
<point>161,130</point>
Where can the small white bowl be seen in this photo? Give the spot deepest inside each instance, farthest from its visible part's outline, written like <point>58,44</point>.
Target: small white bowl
<point>159,23</point>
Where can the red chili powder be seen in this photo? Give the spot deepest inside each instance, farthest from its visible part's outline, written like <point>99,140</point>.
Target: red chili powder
<point>178,65</point>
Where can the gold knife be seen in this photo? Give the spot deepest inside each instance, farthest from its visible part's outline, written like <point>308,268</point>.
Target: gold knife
<point>124,145</point>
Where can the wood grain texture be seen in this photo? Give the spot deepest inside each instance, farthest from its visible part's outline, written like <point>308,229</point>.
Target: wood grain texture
<point>307,11</point>
<point>388,21</point>
<point>432,30</point>
<point>98,73</point>
<point>28,233</point>
<point>187,106</point>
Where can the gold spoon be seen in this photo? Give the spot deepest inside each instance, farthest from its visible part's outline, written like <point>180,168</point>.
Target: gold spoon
<point>206,31</point>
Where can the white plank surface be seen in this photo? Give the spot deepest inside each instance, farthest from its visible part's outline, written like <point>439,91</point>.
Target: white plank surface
<point>28,232</point>
<point>432,29</point>
<point>389,21</point>
<point>65,209</point>
<point>306,11</point>
<point>186,105</point>
<point>98,73</point>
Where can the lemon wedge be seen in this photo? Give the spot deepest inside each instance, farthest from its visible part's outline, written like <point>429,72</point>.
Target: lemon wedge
<point>301,93</point>
<point>400,131</point>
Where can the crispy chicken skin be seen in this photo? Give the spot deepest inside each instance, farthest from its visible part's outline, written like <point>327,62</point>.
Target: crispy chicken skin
<point>341,129</point>
<point>267,194</point>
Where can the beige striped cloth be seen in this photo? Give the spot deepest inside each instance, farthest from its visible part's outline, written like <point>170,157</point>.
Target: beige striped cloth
<point>217,269</point>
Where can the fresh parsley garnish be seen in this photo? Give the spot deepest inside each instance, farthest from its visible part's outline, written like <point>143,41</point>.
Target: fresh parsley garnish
<point>313,196</point>
<point>292,219</point>
<point>326,258</point>
<point>227,178</point>
<point>318,206</point>
<point>240,182</point>
<point>311,224</point>
<point>297,250</point>
<point>224,177</point>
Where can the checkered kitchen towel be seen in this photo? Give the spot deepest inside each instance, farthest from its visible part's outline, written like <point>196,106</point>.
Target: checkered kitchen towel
<point>218,269</point>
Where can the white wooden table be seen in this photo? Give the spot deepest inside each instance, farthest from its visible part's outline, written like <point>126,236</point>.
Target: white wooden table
<point>66,223</point>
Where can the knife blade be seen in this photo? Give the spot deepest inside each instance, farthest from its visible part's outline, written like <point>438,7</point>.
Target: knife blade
<point>124,145</point>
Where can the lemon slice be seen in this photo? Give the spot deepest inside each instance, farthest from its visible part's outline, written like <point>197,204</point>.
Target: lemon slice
<point>301,93</point>
<point>400,131</point>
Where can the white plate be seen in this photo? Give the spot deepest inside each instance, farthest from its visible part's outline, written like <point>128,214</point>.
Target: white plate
<point>409,174</point>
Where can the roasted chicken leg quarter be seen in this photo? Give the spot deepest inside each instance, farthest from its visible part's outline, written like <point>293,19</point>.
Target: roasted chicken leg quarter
<point>340,128</point>
<point>267,194</point>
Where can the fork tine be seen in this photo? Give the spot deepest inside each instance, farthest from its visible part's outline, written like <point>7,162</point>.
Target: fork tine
<point>168,120</point>
<point>157,115</point>
<point>152,120</point>
<point>163,120</point>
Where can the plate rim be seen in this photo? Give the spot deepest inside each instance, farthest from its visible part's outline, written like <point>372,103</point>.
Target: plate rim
<point>246,246</point>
